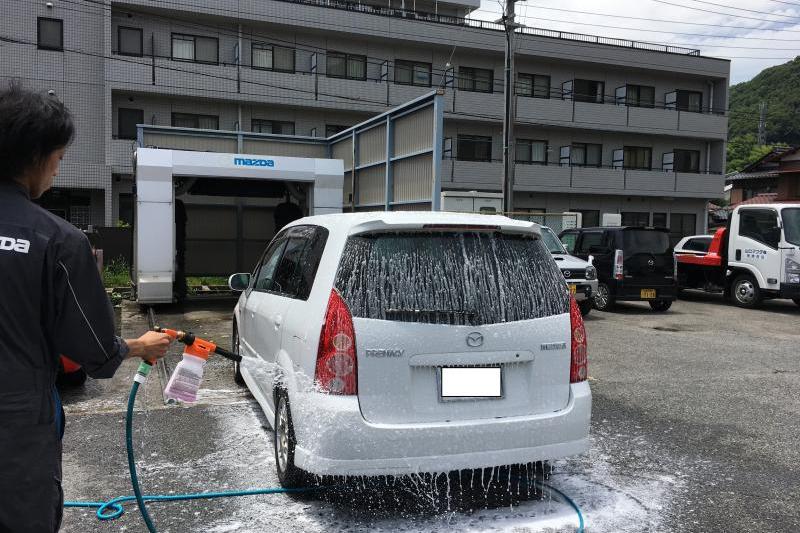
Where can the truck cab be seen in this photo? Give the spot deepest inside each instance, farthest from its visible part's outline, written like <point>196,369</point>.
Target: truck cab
<point>763,253</point>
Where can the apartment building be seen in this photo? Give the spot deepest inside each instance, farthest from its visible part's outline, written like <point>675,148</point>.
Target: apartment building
<point>603,125</point>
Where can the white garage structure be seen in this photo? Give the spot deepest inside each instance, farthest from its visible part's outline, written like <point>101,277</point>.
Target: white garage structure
<point>156,170</point>
<point>205,199</point>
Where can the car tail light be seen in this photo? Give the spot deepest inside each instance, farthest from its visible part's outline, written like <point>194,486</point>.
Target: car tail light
<point>337,367</point>
<point>578,365</point>
<point>618,264</point>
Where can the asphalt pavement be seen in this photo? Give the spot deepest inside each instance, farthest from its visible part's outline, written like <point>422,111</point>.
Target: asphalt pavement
<point>694,429</point>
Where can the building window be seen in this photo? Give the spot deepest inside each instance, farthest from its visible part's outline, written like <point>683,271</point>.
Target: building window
<point>349,66</point>
<point>478,80</point>
<point>189,120</point>
<point>584,91</point>
<point>333,129</point>
<point>127,119</point>
<point>50,34</point>
<point>125,209</point>
<point>270,57</point>
<point>589,217</point>
<point>195,48</point>
<point>681,225</point>
<point>412,73</point>
<point>130,41</point>
<point>686,160</point>
<point>582,155</point>
<point>474,148</point>
<point>528,151</point>
<point>659,220</point>
<point>635,158</point>
<point>534,85</point>
<point>636,95</point>
<point>277,127</point>
<point>635,218</point>
<point>682,100</point>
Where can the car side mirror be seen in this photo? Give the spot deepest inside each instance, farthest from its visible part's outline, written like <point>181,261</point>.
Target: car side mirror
<point>239,282</point>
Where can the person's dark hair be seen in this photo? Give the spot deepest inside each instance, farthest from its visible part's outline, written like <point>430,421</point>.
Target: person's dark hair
<point>32,126</point>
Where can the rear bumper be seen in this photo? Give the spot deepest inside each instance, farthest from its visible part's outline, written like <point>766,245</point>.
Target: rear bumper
<point>333,438</point>
<point>789,290</point>
<point>627,292</point>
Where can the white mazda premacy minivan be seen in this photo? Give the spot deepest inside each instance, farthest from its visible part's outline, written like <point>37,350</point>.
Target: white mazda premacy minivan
<point>396,343</point>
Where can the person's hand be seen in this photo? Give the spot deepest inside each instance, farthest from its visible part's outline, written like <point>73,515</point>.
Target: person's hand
<point>150,346</point>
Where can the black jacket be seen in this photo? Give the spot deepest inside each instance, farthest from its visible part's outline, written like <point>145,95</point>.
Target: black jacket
<point>52,302</point>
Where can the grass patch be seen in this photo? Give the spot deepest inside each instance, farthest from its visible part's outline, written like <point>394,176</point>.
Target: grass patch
<point>206,280</point>
<point>117,274</point>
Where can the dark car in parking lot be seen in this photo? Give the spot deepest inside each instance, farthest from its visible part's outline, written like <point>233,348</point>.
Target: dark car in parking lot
<point>633,263</point>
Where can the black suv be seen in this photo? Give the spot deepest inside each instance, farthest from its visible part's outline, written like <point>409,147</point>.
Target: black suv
<point>633,264</point>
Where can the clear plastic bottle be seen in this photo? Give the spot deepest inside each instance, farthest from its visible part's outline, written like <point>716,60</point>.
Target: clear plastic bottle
<point>185,380</point>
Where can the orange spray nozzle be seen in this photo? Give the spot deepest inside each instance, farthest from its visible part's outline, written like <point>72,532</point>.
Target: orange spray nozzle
<point>194,345</point>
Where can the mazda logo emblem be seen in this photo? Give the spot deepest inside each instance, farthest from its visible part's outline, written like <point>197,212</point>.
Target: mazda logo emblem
<point>651,263</point>
<point>474,340</point>
<point>567,273</point>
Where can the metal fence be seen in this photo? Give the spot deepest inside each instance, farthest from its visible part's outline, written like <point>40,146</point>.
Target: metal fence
<point>555,221</point>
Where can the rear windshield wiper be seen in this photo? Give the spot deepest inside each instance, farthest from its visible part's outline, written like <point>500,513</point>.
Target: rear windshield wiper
<point>435,316</point>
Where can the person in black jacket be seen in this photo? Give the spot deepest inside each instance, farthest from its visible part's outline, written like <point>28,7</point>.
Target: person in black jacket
<point>52,302</point>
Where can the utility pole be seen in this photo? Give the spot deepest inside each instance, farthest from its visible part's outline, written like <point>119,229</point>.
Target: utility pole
<point>762,123</point>
<point>508,108</point>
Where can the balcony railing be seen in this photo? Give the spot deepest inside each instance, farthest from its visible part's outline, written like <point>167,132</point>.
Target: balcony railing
<point>619,168</point>
<point>583,179</point>
<point>487,25</point>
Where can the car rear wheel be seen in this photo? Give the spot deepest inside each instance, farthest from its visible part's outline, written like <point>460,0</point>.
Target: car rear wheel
<point>585,306</point>
<point>237,366</point>
<point>796,300</point>
<point>603,301</point>
<point>660,305</point>
<point>289,476</point>
<point>745,292</point>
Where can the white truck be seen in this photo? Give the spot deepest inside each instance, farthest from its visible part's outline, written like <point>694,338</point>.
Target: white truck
<point>755,258</point>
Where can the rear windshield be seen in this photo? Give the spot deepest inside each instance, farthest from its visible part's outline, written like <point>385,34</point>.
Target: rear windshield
<point>450,278</point>
<point>642,241</point>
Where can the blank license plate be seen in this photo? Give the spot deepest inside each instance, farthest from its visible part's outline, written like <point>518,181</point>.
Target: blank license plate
<point>648,294</point>
<point>471,382</point>
<point>573,288</point>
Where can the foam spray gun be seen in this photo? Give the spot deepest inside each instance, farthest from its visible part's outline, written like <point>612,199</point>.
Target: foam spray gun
<point>185,380</point>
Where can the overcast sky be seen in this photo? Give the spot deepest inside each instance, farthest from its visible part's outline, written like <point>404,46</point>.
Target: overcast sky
<point>753,34</point>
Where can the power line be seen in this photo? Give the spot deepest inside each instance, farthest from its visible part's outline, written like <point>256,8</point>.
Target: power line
<point>667,21</point>
<point>335,97</point>
<point>745,9</point>
<point>382,61</point>
<point>721,13</point>
<point>438,25</point>
<point>669,32</point>
<point>205,74</point>
<point>332,98</point>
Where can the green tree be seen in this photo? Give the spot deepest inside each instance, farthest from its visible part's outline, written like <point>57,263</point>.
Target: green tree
<point>779,87</point>
<point>744,150</point>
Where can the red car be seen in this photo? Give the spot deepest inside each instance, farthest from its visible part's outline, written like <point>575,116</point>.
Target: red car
<point>70,373</point>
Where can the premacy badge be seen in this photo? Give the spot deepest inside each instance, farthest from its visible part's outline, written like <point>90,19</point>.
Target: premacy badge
<point>10,244</point>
